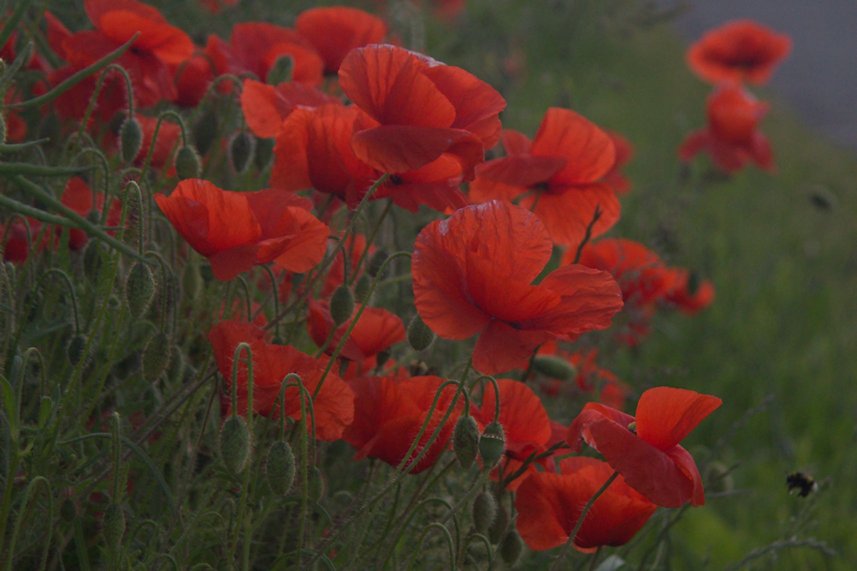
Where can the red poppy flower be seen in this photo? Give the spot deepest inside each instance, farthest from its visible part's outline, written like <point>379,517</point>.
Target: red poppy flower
<point>473,274</point>
<point>420,109</point>
<point>731,138</point>
<point>739,50</point>
<point>254,47</point>
<point>16,240</point>
<point>650,460</point>
<point>389,413</point>
<point>376,330</point>
<point>557,176</point>
<point>336,30</point>
<point>193,78</point>
<point>78,196</point>
<point>688,294</point>
<point>266,106</point>
<point>549,506</point>
<point>237,230</point>
<point>333,406</point>
<point>526,425</point>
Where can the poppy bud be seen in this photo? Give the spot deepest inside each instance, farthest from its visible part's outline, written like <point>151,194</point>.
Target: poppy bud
<point>113,526</point>
<point>498,528</point>
<point>68,511</point>
<point>317,484</point>
<point>419,335</point>
<point>241,149</point>
<point>381,359</point>
<point>205,131</point>
<point>375,262</point>
<point>2,130</point>
<point>280,467</point>
<point>554,367</point>
<point>484,511</point>
<point>264,153</point>
<point>235,444</point>
<point>492,444</point>
<point>93,259</point>
<point>130,139</point>
<point>362,289</point>
<point>139,289</point>
<point>76,348</point>
<point>176,368</point>
<point>511,547</point>
<point>187,163</point>
<point>281,71</point>
<point>156,356</point>
<point>341,304</point>
<point>465,440</point>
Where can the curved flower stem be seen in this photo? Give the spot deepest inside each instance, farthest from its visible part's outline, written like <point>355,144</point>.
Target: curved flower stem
<point>581,519</point>
<point>586,237</point>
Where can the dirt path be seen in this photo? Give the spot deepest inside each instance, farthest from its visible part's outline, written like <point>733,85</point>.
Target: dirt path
<point>819,79</point>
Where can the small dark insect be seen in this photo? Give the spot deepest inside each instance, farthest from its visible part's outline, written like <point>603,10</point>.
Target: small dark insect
<point>801,484</point>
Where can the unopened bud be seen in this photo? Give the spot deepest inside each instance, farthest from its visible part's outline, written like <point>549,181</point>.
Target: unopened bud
<point>492,444</point>
<point>362,288</point>
<point>280,467</point>
<point>68,511</point>
<point>484,511</point>
<point>156,356</point>
<point>139,289</point>
<point>235,444</point>
<point>240,150</point>
<point>93,259</point>
<point>75,351</point>
<point>205,131</point>
<point>2,129</point>
<point>693,283</point>
<point>341,304</point>
<point>188,164</point>
<point>130,139</point>
<point>498,529</point>
<point>465,440</point>
<point>419,335</point>
<point>264,153</point>
<point>281,70</point>
<point>554,367</point>
<point>114,525</point>
<point>511,547</point>
<point>376,262</point>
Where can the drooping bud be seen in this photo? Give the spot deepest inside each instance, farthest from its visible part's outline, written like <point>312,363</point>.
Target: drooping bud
<point>465,440</point>
<point>139,289</point>
<point>375,262</point>
<point>130,139</point>
<point>205,131</point>
<point>484,511</point>
<point>362,288</point>
<point>241,148</point>
<point>75,351</point>
<point>492,444</point>
<point>156,356</point>
<point>280,467</point>
<point>114,525</point>
<point>419,335</point>
<point>93,259</point>
<point>176,368</point>
<point>554,367</point>
<point>281,70</point>
<point>188,164</point>
<point>511,547</point>
<point>235,444</point>
<point>341,304</point>
<point>498,529</point>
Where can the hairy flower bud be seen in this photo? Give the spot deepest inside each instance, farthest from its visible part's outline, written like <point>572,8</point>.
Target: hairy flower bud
<point>240,150</point>
<point>492,444</point>
<point>156,356</point>
<point>235,444</point>
<point>280,467</point>
<point>484,511</point>
<point>205,131</point>
<point>139,289</point>
<point>465,440</point>
<point>497,531</point>
<point>75,351</point>
<point>341,304</point>
<point>419,335</point>
<point>130,139</point>
<point>113,526</point>
<point>376,262</point>
<point>188,164</point>
<point>554,367</point>
<point>362,288</point>
<point>511,547</point>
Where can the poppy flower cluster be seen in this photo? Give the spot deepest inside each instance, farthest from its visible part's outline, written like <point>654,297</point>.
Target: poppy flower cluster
<point>737,52</point>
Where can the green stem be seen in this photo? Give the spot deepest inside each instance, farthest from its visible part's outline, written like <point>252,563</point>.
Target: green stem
<point>581,518</point>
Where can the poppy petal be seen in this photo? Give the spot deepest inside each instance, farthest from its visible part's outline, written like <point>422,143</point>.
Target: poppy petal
<point>665,415</point>
<point>589,150</point>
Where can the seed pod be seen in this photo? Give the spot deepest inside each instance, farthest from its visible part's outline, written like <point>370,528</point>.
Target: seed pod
<point>465,440</point>
<point>130,139</point>
<point>156,356</point>
<point>280,467</point>
<point>492,444</point>
<point>75,351</point>
<point>113,526</point>
<point>139,289</point>
<point>187,162</point>
<point>341,304</point>
<point>511,547</point>
<point>235,444</point>
<point>240,150</point>
<point>498,529</point>
<point>419,335</point>
<point>375,262</point>
<point>554,367</point>
<point>484,511</point>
